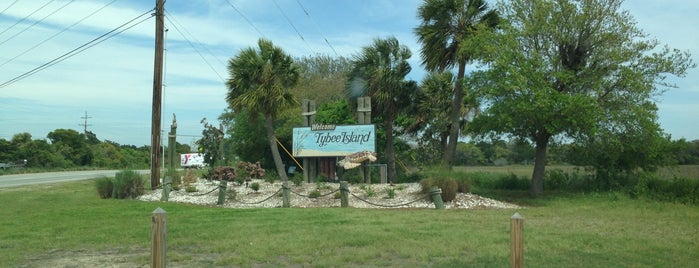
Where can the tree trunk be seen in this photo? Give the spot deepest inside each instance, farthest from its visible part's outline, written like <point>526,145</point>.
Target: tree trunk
<point>455,117</point>
<point>390,154</point>
<point>269,125</point>
<point>542,141</point>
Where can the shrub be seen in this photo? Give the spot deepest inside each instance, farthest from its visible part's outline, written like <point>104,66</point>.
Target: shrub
<point>297,180</point>
<point>314,194</point>
<point>255,186</point>
<point>390,193</point>
<point>463,185</point>
<point>190,176</point>
<point>225,173</point>
<point>105,187</point>
<point>127,184</point>
<point>368,191</point>
<point>512,182</point>
<point>190,189</point>
<point>251,170</point>
<point>448,186</point>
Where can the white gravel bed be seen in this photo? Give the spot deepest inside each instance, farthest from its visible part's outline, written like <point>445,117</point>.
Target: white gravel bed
<point>406,195</point>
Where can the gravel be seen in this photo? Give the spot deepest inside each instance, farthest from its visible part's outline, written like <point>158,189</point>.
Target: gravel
<point>269,195</point>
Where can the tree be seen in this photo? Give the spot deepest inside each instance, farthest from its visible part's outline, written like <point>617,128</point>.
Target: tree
<point>210,144</point>
<point>72,145</point>
<point>259,82</point>
<point>383,67</point>
<point>572,69</point>
<point>446,26</point>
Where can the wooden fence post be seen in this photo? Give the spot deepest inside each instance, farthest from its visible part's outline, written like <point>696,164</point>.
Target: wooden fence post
<point>286,195</point>
<point>516,241</point>
<point>222,192</point>
<point>159,238</point>
<point>437,197</point>
<point>165,193</point>
<point>344,194</point>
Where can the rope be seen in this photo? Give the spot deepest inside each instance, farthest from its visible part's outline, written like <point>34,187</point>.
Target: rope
<point>258,202</point>
<point>309,196</point>
<point>212,190</point>
<point>388,206</point>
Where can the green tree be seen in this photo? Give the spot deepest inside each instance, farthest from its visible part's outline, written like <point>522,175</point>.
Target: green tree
<point>383,67</point>
<point>72,145</point>
<point>259,82</point>
<point>210,144</point>
<point>443,33</point>
<point>572,69</point>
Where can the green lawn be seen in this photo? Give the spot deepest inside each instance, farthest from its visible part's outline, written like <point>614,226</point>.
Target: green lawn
<point>38,223</point>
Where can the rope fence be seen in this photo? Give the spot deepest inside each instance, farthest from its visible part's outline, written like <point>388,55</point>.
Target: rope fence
<point>286,191</point>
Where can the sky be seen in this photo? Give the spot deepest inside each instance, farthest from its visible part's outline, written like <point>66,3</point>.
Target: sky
<point>57,72</point>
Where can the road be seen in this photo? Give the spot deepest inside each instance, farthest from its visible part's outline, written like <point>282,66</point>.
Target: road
<point>52,177</point>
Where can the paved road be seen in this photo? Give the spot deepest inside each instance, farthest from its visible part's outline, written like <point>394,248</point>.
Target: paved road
<point>51,177</point>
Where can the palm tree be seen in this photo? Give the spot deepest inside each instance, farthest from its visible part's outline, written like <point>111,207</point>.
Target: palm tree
<point>383,67</point>
<point>446,24</point>
<point>259,82</point>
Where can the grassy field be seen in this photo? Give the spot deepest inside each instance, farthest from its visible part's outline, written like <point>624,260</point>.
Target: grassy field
<point>67,225</point>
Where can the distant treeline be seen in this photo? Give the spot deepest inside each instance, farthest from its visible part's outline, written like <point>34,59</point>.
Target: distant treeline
<point>67,148</point>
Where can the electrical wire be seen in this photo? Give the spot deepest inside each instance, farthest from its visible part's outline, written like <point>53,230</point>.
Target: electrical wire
<point>58,33</point>
<point>292,25</point>
<point>8,7</point>
<point>37,22</point>
<point>245,18</point>
<point>317,27</point>
<point>25,18</point>
<point>78,50</point>
<point>174,25</point>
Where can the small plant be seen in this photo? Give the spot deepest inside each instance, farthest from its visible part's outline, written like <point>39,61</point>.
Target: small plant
<point>322,185</point>
<point>231,194</point>
<point>255,186</point>
<point>297,180</point>
<point>390,193</point>
<point>368,191</point>
<point>337,195</point>
<point>190,189</point>
<point>314,194</point>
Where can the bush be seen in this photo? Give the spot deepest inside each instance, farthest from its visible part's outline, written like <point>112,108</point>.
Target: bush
<point>225,173</point>
<point>127,184</point>
<point>190,176</point>
<point>190,189</point>
<point>255,186</point>
<point>314,194</point>
<point>105,187</point>
<point>463,185</point>
<point>390,193</point>
<point>449,187</point>
<point>512,182</point>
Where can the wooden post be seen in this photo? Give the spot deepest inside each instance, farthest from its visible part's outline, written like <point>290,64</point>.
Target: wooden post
<point>286,195</point>
<point>222,192</point>
<point>159,238</point>
<point>157,94</point>
<point>364,118</point>
<point>344,194</point>
<point>310,164</point>
<point>167,184</point>
<point>437,197</point>
<point>516,241</point>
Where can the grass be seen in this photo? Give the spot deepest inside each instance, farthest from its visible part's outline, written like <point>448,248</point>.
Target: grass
<point>561,230</point>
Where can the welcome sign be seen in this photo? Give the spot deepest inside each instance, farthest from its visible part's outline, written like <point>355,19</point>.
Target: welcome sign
<point>331,140</point>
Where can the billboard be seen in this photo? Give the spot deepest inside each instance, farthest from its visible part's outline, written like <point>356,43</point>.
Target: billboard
<point>331,140</point>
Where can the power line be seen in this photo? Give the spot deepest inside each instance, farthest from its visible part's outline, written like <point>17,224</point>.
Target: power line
<point>25,18</point>
<point>192,45</point>
<point>245,18</point>
<point>37,22</point>
<point>317,27</point>
<point>292,24</point>
<point>57,34</point>
<point>79,49</point>
<point>8,7</point>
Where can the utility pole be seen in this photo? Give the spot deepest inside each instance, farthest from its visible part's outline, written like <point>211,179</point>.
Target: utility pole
<point>157,94</point>
<point>85,124</point>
